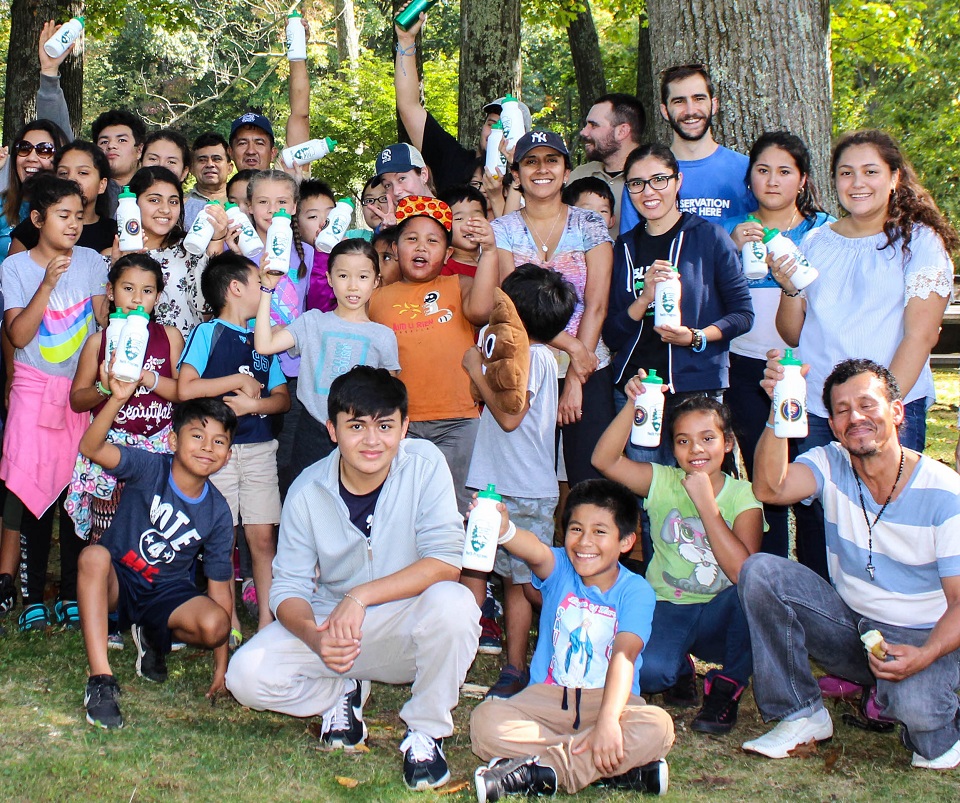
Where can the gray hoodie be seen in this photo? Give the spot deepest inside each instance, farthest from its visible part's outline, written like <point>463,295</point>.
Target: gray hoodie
<point>321,555</point>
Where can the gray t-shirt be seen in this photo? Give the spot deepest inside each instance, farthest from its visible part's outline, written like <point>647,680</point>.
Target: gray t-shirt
<point>329,346</point>
<point>522,463</point>
<point>69,317</point>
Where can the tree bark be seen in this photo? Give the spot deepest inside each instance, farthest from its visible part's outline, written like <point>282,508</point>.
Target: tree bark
<point>770,62</point>
<point>23,64</point>
<point>647,86</point>
<point>587,59</point>
<point>348,39</point>
<point>489,60</point>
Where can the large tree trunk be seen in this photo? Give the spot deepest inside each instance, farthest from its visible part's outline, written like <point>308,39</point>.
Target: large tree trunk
<point>23,65</point>
<point>348,39</point>
<point>587,59</point>
<point>646,85</point>
<point>769,60</point>
<point>489,60</point>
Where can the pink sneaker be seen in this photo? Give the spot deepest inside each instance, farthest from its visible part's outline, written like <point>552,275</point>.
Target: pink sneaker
<point>832,688</point>
<point>249,596</point>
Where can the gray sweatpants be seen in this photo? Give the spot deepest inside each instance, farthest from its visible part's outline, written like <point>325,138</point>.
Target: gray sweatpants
<point>429,640</point>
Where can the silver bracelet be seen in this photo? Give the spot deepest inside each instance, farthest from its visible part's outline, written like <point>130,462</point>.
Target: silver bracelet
<point>350,596</point>
<point>156,381</point>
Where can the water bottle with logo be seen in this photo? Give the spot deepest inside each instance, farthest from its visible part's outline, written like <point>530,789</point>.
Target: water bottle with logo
<point>790,400</point>
<point>129,223</point>
<point>496,162</point>
<point>666,309</point>
<point>781,246</point>
<point>308,151</point>
<point>338,221</point>
<point>754,257</point>
<point>201,232</point>
<point>483,530</point>
<point>512,120</point>
<point>648,413</point>
<point>249,241</point>
<point>132,348</point>
<point>279,243</point>
<point>114,330</point>
<point>63,37</point>
<point>296,37</point>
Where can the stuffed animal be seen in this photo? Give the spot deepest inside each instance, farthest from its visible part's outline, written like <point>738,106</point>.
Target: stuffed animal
<point>505,350</point>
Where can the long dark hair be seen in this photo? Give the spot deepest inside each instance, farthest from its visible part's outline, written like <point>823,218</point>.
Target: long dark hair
<point>144,179</point>
<point>100,164</point>
<point>909,203</point>
<point>808,201</point>
<point>13,196</point>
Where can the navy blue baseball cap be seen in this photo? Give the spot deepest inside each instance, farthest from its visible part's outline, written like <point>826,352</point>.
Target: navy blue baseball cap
<point>254,119</point>
<point>399,158</point>
<point>540,139</point>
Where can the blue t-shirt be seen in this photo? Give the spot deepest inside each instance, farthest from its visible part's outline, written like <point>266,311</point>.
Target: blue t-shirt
<point>218,348</point>
<point>158,530</point>
<point>579,622</point>
<point>713,188</point>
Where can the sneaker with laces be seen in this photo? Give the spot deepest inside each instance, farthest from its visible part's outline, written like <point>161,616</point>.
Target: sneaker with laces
<point>248,593</point>
<point>343,727</point>
<point>34,617</point>
<point>151,662</point>
<point>100,700</point>
<point>514,776</point>
<point>948,761</point>
<point>8,593</point>
<point>683,693</point>
<point>788,735</point>
<point>652,778</point>
<point>491,637</point>
<point>721,699</point>
<point>424,765</point>
<point>491,608</point>
<point>511,681</point>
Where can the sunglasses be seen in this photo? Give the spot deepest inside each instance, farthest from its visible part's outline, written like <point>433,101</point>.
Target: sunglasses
<point>635,185</point>
<point>24,148</point>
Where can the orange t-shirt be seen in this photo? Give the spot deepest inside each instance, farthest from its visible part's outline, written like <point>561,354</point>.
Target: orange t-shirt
<point>432,335</point>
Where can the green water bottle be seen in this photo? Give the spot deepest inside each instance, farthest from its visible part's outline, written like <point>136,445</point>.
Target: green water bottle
<point>412,12</point>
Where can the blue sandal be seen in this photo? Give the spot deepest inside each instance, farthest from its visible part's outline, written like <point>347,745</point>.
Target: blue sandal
<point>67,612</point>
<point>34,617</point>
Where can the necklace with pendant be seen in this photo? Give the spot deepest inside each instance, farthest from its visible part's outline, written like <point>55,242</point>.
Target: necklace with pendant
<point>871,569</point>
<point>533,233</point>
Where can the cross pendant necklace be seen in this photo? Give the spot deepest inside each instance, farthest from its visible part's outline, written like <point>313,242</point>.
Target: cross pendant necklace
<point>871,569</point>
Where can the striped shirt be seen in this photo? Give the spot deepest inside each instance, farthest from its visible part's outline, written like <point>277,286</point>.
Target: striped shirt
<point>915,543</point>
<point>855,307</point>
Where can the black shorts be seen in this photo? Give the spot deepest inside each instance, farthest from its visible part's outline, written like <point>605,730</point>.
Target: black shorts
<point>151,608</point>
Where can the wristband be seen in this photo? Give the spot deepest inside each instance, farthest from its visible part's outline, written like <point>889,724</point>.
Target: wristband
<point>508,535</point>
<point>350,596</point>
<point>768,425</point>
<point>270,290</point>
<point>103,390</point>
<point>156,381</point>
<point>699,341</point>
<point>790,295</point>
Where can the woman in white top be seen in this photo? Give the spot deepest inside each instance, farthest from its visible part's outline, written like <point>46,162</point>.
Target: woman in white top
<point>885,280</point>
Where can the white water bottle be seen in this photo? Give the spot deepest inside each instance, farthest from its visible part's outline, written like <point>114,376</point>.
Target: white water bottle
<point>132,348</point>
<point>666,309</point>
<point>279,242</point>
<point>496,163</point>
<point>296,37</point>
<point>483,530</point>
<point>780,246</point>
<point>308,151</point>
<point>114,330</point>
<point>790,400</point>
<point>63,37</point>
<point>512,120</point>
<point>129,223</point>
<point>249,241</point>
<point>338,221</point>
<point>648,413</point>
<point>754,257</point>
<point>201,232</point>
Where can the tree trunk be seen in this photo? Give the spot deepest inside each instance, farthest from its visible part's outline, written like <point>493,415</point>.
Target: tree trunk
<point>489,60</point>
<point>770,62</point>
<point>348,39</point>
<point>646,84</point>
<point>587,59</point>
<point>23,64</point>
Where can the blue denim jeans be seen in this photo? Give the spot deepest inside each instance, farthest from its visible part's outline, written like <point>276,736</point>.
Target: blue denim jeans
<point>794,616</point>
<point>715,632</point>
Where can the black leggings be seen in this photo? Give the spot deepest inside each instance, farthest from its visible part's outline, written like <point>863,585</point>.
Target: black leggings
<point>580,439</point>
<point>35,537</point>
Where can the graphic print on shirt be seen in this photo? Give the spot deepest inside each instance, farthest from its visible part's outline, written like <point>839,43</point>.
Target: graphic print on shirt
<point>583,633</point>
<point>158,546</point>
<point>63,332</point>
<point>690,540</point>
<point>157,411</point>
<point>429,308</point>
<point>342,351</point>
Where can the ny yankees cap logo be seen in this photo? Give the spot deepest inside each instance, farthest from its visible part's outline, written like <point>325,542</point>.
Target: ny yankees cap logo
<point>538,136</point>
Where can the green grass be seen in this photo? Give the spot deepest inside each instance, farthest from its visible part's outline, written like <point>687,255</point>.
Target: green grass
<point>177,746</point>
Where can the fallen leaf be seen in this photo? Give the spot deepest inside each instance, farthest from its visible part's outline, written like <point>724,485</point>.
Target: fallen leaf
<point>453,789</point>
<point>831,757</point>
<point>804,750</point>
<point>361,748</point>
<point>350,783</point>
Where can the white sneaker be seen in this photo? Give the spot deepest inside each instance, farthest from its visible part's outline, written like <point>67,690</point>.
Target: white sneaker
<point>788,735</point>
<point>947,761</point>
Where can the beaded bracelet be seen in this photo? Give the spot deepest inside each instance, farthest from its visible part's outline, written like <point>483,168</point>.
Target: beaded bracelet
<point>270,290</point>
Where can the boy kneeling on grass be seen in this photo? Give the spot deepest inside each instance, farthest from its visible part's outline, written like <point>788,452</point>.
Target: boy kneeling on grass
<point>141,567</point>
<point>581,720</point>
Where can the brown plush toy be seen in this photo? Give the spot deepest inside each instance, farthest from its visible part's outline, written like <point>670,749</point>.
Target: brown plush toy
<point>505,350</point>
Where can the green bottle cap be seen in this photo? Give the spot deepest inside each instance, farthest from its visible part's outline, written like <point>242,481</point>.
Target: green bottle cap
<point>82,21</point>
<point>125,193</point>
<point>652,378</point>
<point>331,143</point>
<point>214,203</point>
<point>498,126</point>
<point>294,13</point>
<point>789,359</point>
<point>281,212</point>
<point>769,234</point>
<point>490,493</point>
<point>508,97</point>
<point>118,315</point>
<point>347,201</point>
<point>139,311</point>
<point>753,219</point>
<point>228,206</point>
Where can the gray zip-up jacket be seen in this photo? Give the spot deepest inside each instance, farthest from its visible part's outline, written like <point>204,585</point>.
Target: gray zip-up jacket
<point>321,555</point>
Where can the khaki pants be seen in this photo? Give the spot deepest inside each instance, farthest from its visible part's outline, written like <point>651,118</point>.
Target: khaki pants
<point>533,723</point>
<point>429,640</point>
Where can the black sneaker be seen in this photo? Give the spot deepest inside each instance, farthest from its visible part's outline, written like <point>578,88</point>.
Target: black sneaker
<point>514,776</point>
<point>683,693</point>
<point>8,593</point>
<point>721,699</point>
<point>424,765</point>
<point>652,778</point>
<point>151,662</point>
<point>100,700</point>
<point>510,682</point>
<point>343,727</point>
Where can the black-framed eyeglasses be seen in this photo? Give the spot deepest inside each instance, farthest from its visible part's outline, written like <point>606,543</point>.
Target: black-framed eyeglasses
<point>24,148</point>
<point>636,185</point>
<point>380,201</point>
<point>477,185</point>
